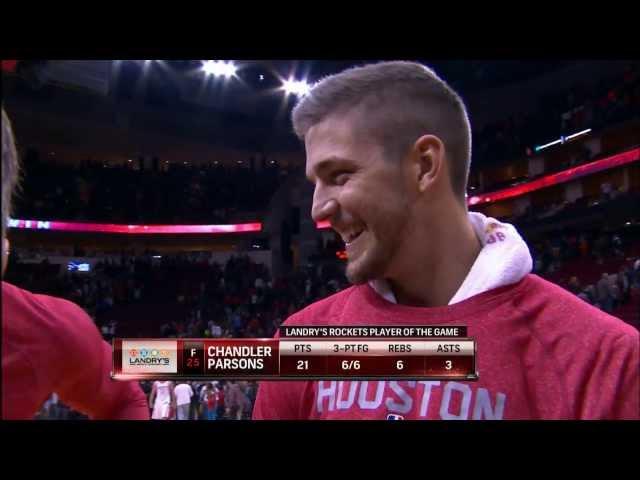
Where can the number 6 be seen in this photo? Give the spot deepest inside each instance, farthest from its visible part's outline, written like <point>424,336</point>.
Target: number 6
<point>399,365</point>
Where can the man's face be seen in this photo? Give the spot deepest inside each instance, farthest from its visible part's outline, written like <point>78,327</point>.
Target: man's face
<point>362,194</point>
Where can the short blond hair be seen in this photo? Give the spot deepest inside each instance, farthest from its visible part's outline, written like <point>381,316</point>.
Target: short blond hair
<point>402,101</point>
<point>10,170</point>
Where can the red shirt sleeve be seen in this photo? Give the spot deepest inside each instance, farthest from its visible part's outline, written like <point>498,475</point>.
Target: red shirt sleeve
<point>594,356</point>
<point>51,345</point>
<point>612,391</point>
<point>84,370</point>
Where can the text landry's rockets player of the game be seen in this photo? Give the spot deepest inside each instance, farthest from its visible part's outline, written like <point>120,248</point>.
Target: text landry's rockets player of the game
<point>388,150</point>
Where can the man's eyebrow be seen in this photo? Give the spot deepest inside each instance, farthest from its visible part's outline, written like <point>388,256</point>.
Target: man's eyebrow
<point>326,164</point>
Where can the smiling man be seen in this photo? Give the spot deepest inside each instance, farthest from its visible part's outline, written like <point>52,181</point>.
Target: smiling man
<point>388,151</point>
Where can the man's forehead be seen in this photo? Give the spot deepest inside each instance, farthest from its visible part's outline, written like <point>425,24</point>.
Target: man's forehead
<point>339,131</point>
<point>329,138</point>
<point>342,135</point>
<point>332,128</point>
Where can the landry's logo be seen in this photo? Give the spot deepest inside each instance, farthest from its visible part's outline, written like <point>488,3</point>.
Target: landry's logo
<point>149,356</point>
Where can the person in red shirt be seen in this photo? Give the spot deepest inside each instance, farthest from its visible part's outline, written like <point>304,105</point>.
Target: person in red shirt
<point>50,345</point>
<point>388,150</point>
<point>211,398</point>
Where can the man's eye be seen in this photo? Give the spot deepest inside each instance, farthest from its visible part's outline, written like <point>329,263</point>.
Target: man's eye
<point>340,178</point>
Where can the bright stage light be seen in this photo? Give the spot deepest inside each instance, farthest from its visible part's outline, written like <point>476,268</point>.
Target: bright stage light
<point>296,87</point>
<point>219,68</point>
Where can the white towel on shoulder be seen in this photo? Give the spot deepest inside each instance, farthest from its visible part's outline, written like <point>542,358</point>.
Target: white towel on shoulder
<point>504,259</point>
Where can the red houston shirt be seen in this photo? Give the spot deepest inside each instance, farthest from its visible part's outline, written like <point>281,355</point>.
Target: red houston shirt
<point>51,345</point>
<point>542,354</point>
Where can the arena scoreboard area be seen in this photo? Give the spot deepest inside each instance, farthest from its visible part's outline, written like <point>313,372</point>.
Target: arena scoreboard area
<point>304,352</point>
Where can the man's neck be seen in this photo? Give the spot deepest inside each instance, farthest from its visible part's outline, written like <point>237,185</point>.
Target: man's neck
<point>433,281</point>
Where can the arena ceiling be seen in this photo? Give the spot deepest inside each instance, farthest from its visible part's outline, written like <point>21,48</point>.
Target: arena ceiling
<point>249,107</point>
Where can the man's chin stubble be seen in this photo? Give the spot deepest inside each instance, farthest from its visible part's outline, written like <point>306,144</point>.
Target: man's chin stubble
<point>363,275</point>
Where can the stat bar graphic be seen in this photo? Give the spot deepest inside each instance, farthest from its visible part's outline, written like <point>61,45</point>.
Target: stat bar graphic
<point>329,354</point>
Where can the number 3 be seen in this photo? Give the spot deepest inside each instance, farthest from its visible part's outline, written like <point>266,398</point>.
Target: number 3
<point>448,365</point>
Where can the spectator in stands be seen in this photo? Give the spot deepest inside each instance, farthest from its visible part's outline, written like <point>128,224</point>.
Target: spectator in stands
<point>616,243</point>
<point>33,326</point>
<point>624,284</point>
<point>636,273</point>
<point>574,285</point>
<point>584,295</point>
<point>538,265</point>
<point>236,323</point>
<point>583,246</point>
<point>614,291</point>
<point>604,297</point>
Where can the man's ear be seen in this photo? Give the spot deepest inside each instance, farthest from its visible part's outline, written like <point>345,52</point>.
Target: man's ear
<point>428,157</point>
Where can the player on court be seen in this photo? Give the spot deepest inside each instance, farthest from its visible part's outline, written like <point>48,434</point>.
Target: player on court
<point>388,149</point>
<point>162,400</point>
<point>183,393</point>
<point>50,345</point>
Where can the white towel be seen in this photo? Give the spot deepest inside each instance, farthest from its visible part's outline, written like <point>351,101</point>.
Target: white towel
<point>504,259</point>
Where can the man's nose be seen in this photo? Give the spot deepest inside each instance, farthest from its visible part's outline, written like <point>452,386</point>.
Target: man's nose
<point>324,207</point>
